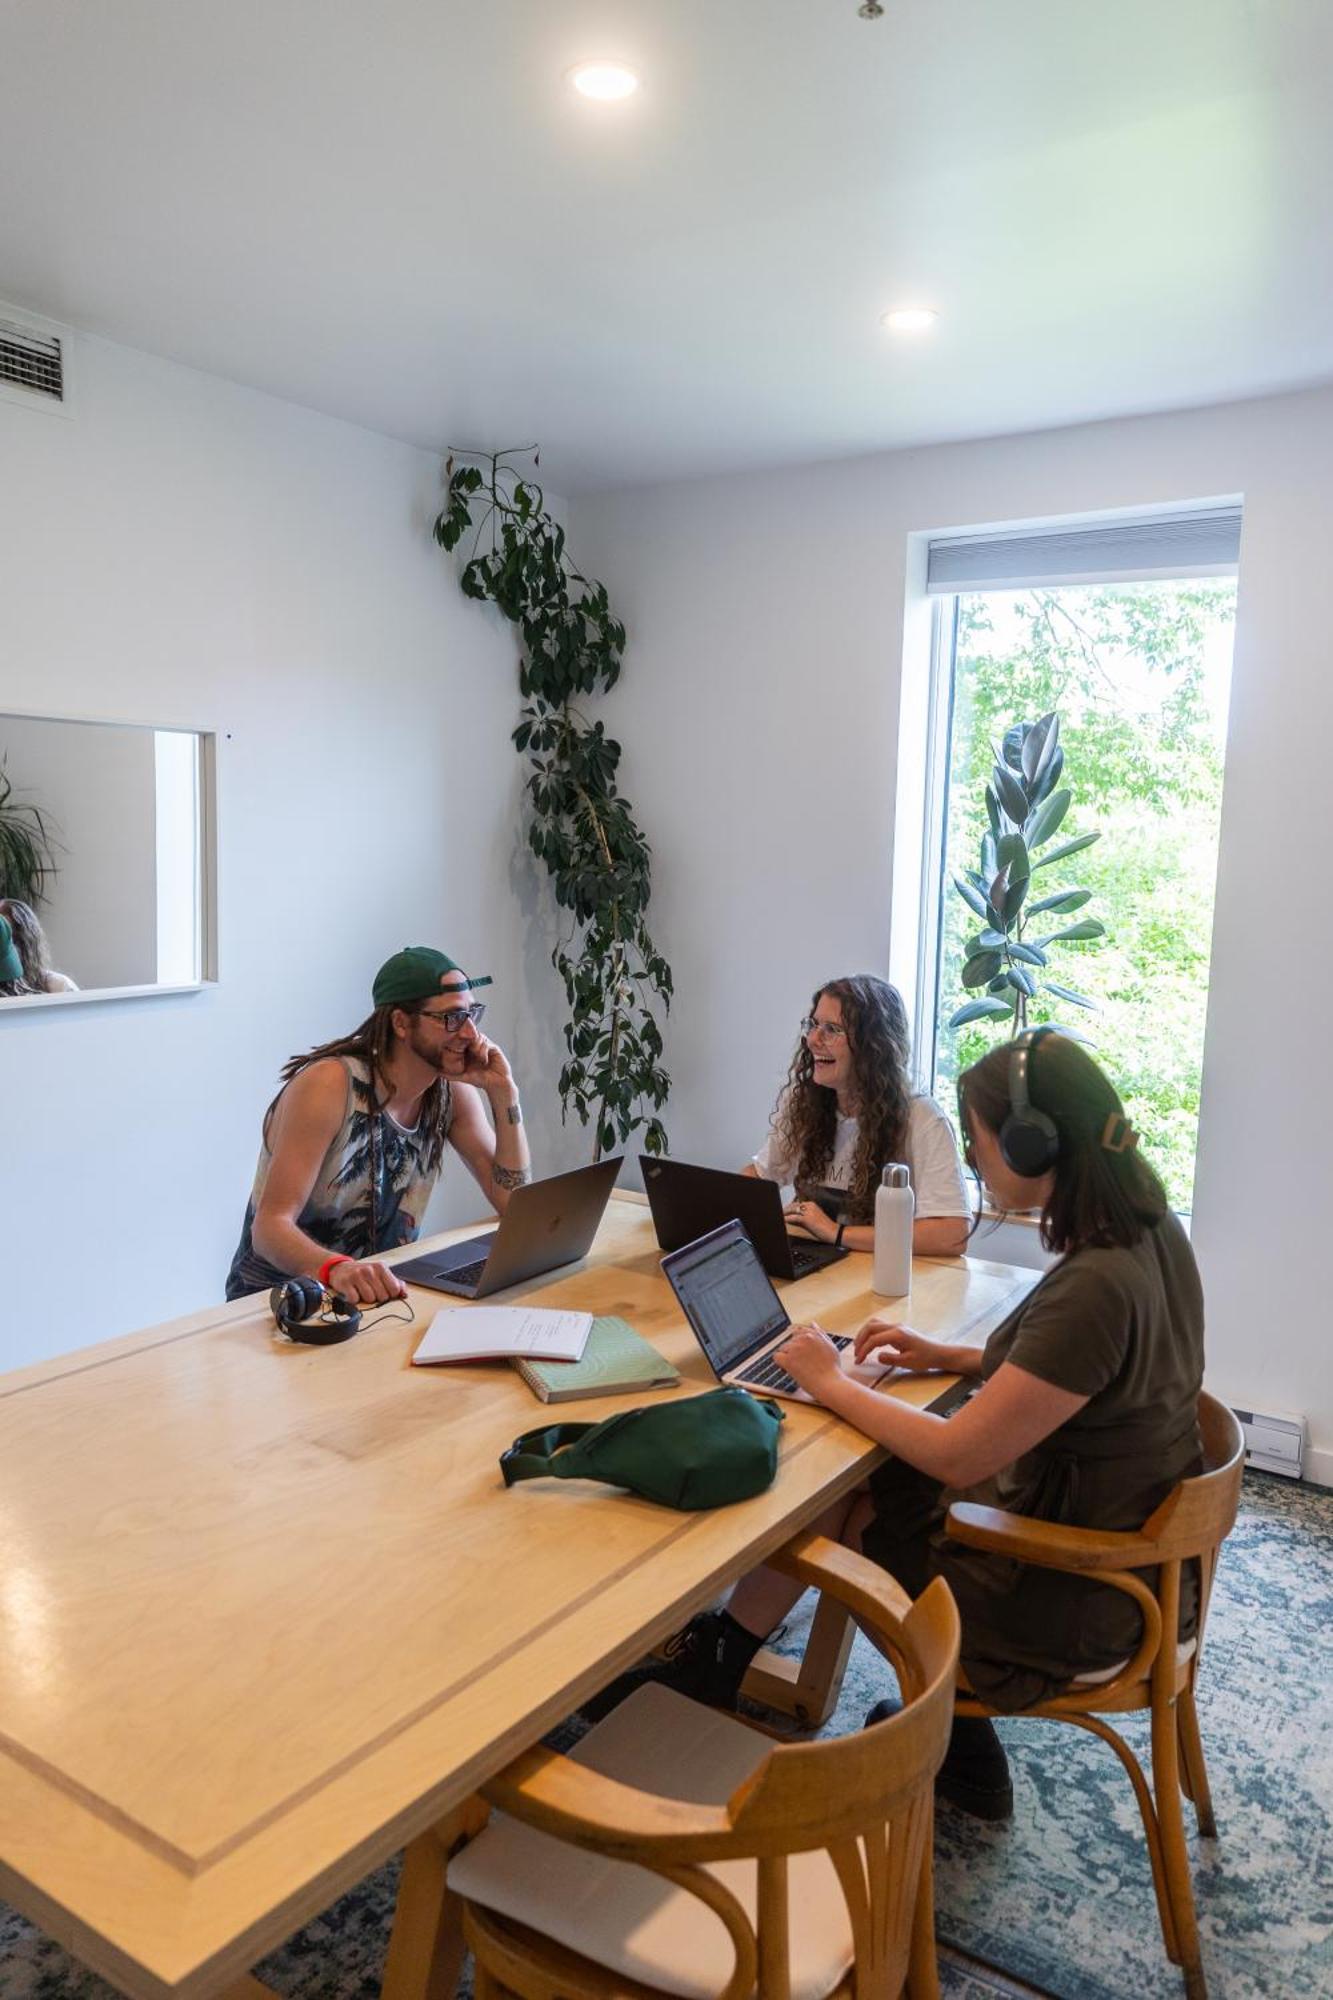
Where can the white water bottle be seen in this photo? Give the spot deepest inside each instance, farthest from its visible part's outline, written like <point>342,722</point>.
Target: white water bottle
<point>895,1209</point>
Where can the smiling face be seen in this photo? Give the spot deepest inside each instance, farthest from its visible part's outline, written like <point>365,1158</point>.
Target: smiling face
<point>829,1043</point>
<point>441,1048</point>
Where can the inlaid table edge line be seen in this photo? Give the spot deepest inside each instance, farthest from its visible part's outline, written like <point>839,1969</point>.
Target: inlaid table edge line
<point>400,1822</point>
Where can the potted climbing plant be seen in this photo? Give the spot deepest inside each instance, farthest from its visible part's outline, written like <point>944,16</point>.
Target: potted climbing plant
<point>581,828</point>
<point>1009,956</point>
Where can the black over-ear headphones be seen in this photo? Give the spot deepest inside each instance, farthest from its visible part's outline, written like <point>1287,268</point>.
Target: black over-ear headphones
<point>1029,1142</point>
<point>295,1301</point>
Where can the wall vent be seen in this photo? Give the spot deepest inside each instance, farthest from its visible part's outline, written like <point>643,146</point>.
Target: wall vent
<point>34,356</point>
<point>1273,1443</point>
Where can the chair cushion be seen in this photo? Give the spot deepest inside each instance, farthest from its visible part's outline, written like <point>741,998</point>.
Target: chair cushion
<point>629,1919</point>
<point>1184,1651</point>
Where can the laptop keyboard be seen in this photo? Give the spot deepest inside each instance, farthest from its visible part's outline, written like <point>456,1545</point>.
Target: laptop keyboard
<point>466,1274</point>
<point>767,1373</point>
<point>807,1257</point>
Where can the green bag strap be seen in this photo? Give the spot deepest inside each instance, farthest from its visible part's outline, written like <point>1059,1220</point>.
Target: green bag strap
<point>532,1456</point>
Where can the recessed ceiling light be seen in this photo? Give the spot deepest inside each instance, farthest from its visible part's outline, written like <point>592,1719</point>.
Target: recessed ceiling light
<point>606,81</point>
<point>910,319</point>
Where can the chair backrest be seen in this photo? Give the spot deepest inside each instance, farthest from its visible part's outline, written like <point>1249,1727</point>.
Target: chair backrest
<point>867,1797</point>
<point>1197,1515</point>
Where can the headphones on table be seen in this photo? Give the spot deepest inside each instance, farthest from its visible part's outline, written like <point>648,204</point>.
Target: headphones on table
<point>1029,1142</point>
<point>294,1303</point>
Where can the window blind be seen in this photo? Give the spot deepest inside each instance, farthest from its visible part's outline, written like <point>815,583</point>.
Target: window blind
<point>1204,543</point>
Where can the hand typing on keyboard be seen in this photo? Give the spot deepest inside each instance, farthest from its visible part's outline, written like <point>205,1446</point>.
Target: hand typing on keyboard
<point>811,1357</point>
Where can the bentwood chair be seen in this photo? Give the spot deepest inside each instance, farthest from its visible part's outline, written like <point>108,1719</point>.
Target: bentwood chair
<point>1161,1677</point>
<point>679,1852</point>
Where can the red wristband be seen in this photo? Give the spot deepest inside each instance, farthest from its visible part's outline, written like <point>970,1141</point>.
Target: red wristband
<point>328,1265</point>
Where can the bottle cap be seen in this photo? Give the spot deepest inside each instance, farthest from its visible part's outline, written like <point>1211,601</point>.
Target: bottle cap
<point>897,1175</point>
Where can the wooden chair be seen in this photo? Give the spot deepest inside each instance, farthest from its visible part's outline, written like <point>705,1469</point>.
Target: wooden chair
<point>679,1852</point>
<point>1189,1526</point>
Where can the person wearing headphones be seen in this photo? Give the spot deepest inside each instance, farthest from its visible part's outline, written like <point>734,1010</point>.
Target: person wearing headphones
<point>353,1143</point>
<point>846,1111</point>
<point>1085,1413</point>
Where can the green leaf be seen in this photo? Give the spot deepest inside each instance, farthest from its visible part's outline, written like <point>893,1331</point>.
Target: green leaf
<point>1038,741</point>
<point>974,900</point>
<point>1020,980</point>
<point>1061,899</point>
<point>1042,823</point>
<point>1069,847</point>
<point>1030,954</point>
<point>1010,793</point>
<point>990,940</point>
<point>982,966</point>
<point>1078,933</point>
<point>981,1010</point>
<point>1068,993</point>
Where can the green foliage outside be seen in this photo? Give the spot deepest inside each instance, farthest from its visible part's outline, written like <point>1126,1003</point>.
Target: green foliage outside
<point>1138,675</point>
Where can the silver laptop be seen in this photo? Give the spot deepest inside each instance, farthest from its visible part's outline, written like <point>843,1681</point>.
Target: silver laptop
<point>547,1223</point>
<point>737,1317</point>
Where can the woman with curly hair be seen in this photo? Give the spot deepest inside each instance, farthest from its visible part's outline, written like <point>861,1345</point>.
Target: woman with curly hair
<point>846,1110</point>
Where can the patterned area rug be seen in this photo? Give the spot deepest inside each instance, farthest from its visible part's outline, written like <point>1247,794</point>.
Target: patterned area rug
<point>1060,1902</point>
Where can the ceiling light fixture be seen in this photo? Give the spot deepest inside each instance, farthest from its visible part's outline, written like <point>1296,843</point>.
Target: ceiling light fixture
<point>910,319</point>
<point>870,10</point>
<point>607,82</point>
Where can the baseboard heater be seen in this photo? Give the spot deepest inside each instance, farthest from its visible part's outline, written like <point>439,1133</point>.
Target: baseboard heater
<point>1273,1443</point>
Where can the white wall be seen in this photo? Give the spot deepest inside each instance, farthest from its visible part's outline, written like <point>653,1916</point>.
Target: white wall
<point>98,788</point>
<point>183,552</point>
<point>759,711</point>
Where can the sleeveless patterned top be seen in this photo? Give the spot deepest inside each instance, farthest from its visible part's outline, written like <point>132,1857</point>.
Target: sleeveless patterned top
<point>338,1211</point>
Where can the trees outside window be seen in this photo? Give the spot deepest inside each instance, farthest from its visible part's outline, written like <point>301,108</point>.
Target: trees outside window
<point>1139,675</point>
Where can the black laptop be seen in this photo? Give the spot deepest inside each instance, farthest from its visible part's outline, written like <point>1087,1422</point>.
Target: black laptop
<point>689,1201</point>
<point>547,1223</point>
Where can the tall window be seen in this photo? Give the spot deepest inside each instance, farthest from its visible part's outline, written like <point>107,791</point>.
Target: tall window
<point>1125,634</point>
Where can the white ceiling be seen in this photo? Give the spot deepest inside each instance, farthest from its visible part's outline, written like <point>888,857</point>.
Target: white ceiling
<point>397,212</point>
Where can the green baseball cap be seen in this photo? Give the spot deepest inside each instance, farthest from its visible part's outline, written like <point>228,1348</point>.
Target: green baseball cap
<point>11,965</point>
<point>414,973</point>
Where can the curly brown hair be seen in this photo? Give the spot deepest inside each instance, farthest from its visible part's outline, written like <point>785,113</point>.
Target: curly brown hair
<point>806,1116</point>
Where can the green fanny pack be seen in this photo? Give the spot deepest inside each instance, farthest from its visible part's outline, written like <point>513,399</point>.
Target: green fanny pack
<point>700,1451</point>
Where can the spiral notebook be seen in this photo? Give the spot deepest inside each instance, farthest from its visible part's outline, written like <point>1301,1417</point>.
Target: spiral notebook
<point>615,1361</point>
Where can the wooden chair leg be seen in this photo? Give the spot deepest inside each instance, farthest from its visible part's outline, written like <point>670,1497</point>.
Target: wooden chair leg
<point>1194,1769</point>
<point>923,1970</point>
<point>1148,1814</point>
<point>425,1953</point>
<point>807,1688</point>
<point>1175,1854</point>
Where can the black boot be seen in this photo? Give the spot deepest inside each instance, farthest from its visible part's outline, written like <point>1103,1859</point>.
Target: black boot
<point>707,1661</point>
<point>975,1773</point>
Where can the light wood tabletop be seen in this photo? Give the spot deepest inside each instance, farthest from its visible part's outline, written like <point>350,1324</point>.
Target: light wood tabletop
<point>267,1611</point>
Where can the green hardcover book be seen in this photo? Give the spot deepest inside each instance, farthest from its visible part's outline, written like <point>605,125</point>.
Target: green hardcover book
<point>615,1360</point>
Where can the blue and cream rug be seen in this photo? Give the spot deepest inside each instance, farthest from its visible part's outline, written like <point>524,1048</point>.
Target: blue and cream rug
<point>1060,1901</point>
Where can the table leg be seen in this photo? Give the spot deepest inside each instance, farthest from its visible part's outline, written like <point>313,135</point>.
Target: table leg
<point>425,1953</point>
<point>807,1688</point>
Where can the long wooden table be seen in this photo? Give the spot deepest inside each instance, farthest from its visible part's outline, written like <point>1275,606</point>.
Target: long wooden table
<point>267,1612</point>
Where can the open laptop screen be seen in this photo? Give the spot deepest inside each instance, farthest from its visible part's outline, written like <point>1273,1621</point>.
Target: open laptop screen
<point>726,1295</point>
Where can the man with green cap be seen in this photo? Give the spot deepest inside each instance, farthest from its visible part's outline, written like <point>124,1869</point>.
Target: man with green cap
<point>354,1141</point>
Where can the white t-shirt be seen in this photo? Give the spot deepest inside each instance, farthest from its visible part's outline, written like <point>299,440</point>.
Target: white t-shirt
<point>929,1151</point>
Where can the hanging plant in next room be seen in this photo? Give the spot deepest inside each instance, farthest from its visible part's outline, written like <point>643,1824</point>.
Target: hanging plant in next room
<point>581,827</point>
<point>1009,955</point>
